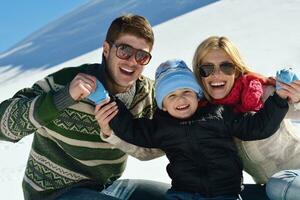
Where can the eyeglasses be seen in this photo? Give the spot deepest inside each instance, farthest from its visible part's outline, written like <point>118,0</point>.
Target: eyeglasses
<point>125,51</point>
<point>206,70</point>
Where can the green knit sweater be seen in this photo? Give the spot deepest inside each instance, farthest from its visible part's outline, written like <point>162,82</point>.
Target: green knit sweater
<point>67,149</point>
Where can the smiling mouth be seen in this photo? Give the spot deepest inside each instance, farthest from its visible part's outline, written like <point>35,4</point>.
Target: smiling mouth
<point>126,71</point>
<point>183,107</point>
<point>217,84</point>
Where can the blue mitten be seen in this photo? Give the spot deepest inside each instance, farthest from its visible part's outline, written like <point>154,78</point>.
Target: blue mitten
<point>285,76</point>
<point>99,94</point>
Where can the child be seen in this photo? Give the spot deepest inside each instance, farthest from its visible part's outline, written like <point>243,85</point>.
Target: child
<point>198,142</point>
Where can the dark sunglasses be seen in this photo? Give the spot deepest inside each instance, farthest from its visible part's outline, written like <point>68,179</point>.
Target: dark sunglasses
<point>208,69</point>
<point>125,51</point>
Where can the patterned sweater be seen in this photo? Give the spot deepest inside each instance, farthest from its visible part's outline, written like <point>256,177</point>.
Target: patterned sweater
<point>67,149</point>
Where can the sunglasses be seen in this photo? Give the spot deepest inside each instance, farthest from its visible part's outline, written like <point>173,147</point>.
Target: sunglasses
<point>206,70</point>
<point>125,51</point>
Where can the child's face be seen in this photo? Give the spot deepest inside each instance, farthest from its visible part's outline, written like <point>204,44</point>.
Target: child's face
<point>181,103</point>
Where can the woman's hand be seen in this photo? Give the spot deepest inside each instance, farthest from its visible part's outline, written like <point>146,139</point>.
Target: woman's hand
<point>104,112</point>
<point>290,91</point>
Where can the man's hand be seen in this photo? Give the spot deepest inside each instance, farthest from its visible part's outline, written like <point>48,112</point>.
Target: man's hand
<point>82,86</point>
<point>104,112</point>
<point>290,91</point>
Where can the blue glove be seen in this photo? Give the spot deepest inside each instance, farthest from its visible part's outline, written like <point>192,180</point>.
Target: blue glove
<point>285,76</point>
<point>99,94</point>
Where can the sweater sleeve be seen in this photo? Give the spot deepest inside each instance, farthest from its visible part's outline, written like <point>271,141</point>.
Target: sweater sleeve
<point>262,124</point>
<point>140,131</point>
<point>138,152</point>
<point>31,108</point>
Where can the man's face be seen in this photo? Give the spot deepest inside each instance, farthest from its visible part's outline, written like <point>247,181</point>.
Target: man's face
<point>124,72</point>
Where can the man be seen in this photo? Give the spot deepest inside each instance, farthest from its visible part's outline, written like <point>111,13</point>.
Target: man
<point>68,158</point>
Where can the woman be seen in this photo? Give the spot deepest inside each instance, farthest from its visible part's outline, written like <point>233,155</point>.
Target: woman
<point>226,79</point>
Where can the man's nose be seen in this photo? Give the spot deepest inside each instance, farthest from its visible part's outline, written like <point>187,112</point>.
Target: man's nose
<point>132,60</point>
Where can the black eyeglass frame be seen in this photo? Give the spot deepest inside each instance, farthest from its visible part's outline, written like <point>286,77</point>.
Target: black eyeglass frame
<point>207,69</point>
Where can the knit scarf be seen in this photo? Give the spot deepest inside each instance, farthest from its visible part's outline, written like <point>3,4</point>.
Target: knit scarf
<point>246,93</point>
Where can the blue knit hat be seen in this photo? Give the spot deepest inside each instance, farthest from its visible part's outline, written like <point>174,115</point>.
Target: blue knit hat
<point>173,75</point>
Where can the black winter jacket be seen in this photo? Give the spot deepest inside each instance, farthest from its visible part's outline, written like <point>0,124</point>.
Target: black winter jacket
<point>203,157</point>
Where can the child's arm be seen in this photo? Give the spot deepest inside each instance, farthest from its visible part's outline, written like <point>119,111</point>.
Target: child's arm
<point>262,124</point>
<point>140,153</point>
<point>104,116</point>
<point>117,119</point>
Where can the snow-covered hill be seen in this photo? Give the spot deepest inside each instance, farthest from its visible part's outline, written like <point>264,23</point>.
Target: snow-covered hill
<point>266,31</point>
<point>84,29</point>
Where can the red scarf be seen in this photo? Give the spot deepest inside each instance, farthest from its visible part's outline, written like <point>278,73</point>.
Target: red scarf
<point>246,94</point>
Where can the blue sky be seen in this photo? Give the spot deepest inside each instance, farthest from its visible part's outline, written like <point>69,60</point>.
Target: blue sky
<point>18,18</point>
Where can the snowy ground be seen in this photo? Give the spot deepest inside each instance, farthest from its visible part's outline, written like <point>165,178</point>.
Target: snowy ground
<point>266,32</point>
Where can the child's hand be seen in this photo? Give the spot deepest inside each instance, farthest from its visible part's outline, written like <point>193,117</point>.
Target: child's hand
<point>104,112</point>
<point>290,91</point>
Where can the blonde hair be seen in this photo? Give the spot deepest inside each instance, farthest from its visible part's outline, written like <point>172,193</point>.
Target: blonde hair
<point>214,43</point>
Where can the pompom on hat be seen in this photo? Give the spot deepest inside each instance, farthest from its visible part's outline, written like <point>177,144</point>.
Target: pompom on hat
<point>173,75</point>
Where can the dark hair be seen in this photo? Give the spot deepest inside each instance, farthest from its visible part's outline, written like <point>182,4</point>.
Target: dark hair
<point>130,24</point>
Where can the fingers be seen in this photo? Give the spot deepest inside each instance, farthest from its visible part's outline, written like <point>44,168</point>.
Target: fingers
<point>88,79</point>
<point>292,91</point>
<point>106,121</point>
<point>82,86</point>
<point>105,110</point>
<point>282,93</point>
<point>98,106</point>
<point>296,86</point>
<point>106,113</point>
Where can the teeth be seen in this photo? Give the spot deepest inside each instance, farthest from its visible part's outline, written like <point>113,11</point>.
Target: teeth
<point>218,84</point>
<point>127,70</point>
<point>182,107</point>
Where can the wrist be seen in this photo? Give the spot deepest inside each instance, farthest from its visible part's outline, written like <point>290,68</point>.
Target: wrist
<point>63,99</point>
<point>106,133</point>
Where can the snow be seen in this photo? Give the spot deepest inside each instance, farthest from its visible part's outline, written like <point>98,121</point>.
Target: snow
<point>266,32</point>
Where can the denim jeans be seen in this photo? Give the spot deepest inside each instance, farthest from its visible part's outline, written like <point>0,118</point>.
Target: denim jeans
<point>180,195</point>
<point>284,185</point>
<point>125,189</point>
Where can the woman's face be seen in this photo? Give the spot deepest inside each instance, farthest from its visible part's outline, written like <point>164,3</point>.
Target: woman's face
<point>218,84</point>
